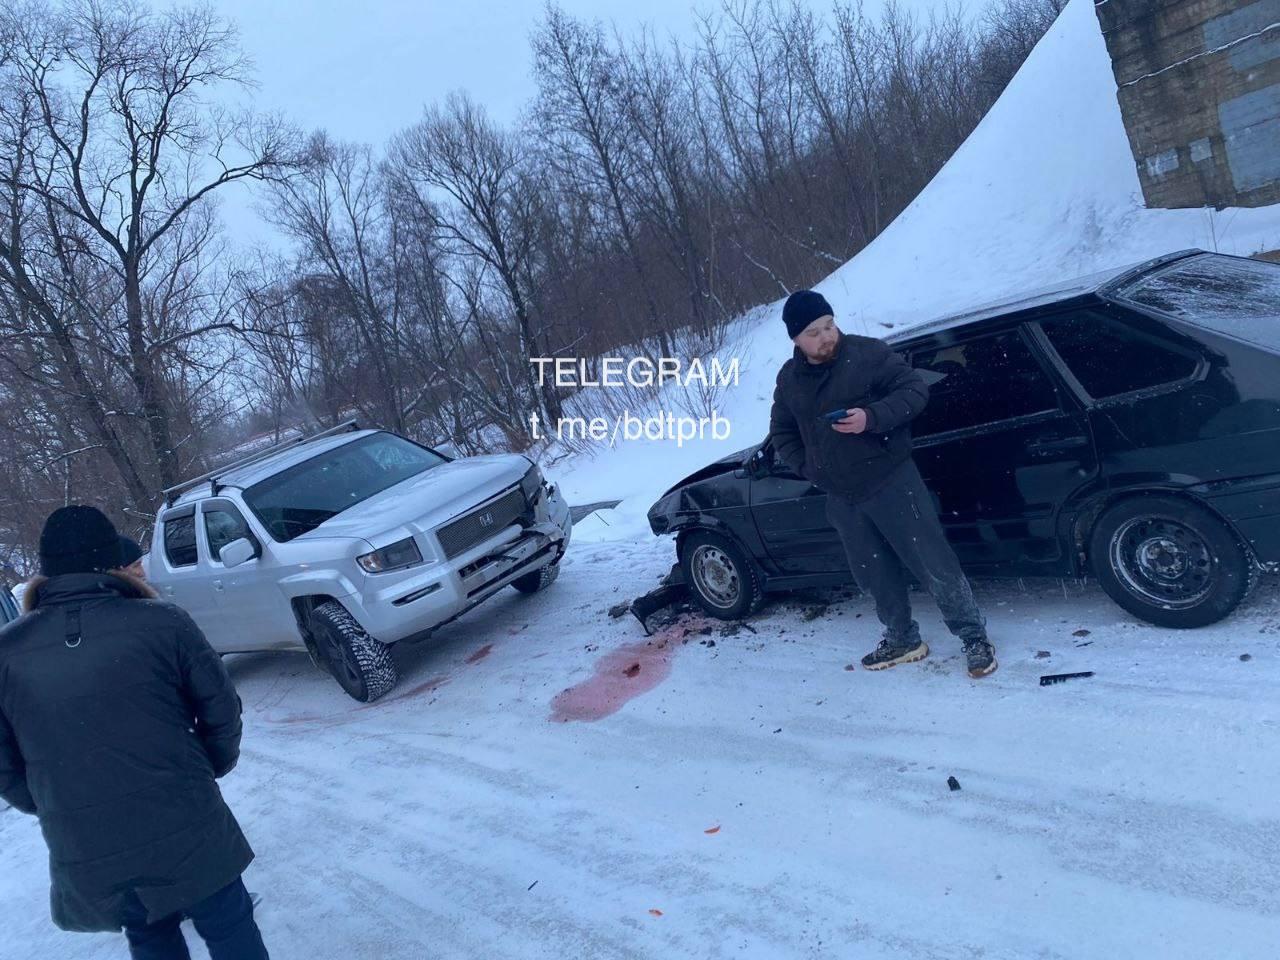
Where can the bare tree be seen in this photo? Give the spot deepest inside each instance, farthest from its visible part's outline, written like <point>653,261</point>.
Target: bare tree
<point>580,117</point>
<point>121,150</point>
<point>333,207</point>
<point>487,210</point>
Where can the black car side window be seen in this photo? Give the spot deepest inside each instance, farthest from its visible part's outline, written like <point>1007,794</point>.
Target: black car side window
<point>1110,358</point>
<point>980,381</point>
<point>222,525</point>
<point>180,538</point>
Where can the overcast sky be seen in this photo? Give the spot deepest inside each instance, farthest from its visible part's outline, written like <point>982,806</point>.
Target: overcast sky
<point>363,71</point>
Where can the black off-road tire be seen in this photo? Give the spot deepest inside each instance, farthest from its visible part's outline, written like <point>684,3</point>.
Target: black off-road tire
<point>537,579</point>
<point>736,592</point>
<point>1137,546</point>
<point>362,665</point>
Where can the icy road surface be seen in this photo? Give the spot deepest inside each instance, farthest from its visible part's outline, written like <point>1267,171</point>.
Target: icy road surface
<point>754,798</point>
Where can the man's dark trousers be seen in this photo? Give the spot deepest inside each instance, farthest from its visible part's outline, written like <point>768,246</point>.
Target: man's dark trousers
<point>896,531</point>
<point>224,921</point>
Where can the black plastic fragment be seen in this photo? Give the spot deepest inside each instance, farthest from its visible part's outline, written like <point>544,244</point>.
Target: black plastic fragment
<point>1049,678</point>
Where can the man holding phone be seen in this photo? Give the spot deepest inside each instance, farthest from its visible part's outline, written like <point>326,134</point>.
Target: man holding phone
<point>840,419</point>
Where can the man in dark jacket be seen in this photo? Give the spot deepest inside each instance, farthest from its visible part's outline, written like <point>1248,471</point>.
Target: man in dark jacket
<point>876,499</point>
<point>116,718</point>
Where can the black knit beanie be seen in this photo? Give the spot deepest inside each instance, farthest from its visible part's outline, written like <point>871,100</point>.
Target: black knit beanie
<point>801,309</point>
<point>130,552</point>
<point>78,539</point>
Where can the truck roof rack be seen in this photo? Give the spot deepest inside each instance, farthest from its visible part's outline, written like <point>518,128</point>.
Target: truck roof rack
<point>171,493</point>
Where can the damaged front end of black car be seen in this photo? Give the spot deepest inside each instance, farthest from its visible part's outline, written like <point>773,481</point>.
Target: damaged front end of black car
<point>709,513</point>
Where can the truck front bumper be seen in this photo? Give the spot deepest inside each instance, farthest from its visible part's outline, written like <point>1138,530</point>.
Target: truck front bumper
<point>411,608</point>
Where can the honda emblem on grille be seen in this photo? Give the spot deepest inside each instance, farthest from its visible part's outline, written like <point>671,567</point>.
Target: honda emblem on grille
<point>486,519</point>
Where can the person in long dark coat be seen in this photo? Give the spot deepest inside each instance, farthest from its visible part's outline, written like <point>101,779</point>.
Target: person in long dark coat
<point>116,720</point>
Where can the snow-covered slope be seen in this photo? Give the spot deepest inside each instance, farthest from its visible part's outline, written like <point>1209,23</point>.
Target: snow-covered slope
<point>1043,190</point>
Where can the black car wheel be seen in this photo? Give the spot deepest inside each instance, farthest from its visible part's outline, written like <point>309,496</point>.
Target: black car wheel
<point>362,666</point>
<point>1170,562</point>
<point>722,580</point>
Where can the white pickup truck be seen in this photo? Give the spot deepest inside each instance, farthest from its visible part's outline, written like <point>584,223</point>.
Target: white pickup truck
<point>350,540</point>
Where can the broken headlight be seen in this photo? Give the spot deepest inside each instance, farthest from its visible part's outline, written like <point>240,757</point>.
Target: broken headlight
<point>530,483</point>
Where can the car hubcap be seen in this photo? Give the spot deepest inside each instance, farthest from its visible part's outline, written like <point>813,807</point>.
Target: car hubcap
<point>716,576</point>
<point>1163,562</point>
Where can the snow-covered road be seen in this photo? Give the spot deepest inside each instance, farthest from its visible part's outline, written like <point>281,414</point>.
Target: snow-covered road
<point>756,798</point>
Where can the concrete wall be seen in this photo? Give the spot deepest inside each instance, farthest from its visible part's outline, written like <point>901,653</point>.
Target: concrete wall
<point>1199,88</point>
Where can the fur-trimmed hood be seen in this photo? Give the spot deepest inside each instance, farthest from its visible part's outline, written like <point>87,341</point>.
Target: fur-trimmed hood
<point>123,583</point>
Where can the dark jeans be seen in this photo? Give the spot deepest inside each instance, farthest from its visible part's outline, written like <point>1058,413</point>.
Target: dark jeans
<point>896,530</point>
<point>224,921</point>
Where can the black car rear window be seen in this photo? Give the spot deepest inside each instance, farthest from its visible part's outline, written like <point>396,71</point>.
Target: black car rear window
<point>297,500</point>
<point>1109,358</point>
<point>1231,295</point>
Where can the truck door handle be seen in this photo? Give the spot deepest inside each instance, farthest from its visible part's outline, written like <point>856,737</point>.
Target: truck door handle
<point>1056,444</point>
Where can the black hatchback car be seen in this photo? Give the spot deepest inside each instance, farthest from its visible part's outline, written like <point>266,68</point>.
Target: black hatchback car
<point>1126,425</point>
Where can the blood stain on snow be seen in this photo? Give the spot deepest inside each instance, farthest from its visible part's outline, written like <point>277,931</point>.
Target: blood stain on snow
<point>622,675</point>
<point>481,653</point>
<point>655,913</point>
<point>715,829</point>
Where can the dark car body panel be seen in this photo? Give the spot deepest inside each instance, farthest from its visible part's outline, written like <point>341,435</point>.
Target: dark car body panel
<point>1017,497</point>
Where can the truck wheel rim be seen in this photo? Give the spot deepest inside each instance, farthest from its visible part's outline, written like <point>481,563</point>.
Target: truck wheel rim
<point>716,576</point>
<point>1163,562</point>
<point>341,656</point>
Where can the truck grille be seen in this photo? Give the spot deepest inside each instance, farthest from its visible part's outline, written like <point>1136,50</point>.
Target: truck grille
<point>459,536</point>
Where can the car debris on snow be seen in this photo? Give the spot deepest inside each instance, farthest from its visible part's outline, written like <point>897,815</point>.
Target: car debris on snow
<point>1050,678</point>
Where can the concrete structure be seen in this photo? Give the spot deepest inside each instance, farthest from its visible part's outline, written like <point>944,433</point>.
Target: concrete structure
<point>1199,89</point>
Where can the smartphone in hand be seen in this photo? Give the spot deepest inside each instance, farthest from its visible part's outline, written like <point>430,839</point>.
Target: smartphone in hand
<point>835,415</point>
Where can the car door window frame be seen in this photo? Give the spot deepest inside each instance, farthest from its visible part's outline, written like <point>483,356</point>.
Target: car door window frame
<point>957,433</point>
<point>202,536</point>
<point>179,513</point>
<point>1045,342</point>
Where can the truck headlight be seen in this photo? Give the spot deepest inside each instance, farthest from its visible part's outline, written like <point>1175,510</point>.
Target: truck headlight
<point>402,553</point>
<point>530,483</point>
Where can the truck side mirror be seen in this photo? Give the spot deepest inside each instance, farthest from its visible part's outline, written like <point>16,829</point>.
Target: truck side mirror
<point>237,552</point>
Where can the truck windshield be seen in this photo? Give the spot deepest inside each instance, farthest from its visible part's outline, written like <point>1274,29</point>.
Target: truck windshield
<point>301,498</point>
<point>1231,295</point>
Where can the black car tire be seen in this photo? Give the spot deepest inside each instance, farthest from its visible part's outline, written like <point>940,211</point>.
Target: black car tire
<point>362,665</point>
<point>538,579</point>
<point>719,576</point>
<point>1170,561</point>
